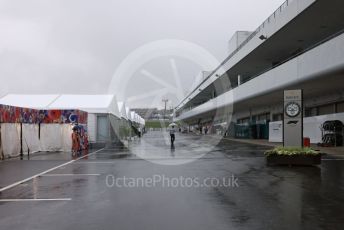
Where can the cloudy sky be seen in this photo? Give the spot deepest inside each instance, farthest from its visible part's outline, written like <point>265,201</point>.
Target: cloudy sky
<point>76,46</point>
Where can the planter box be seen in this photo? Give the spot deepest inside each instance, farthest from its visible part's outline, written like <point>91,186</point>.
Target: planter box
<point>300,160</point>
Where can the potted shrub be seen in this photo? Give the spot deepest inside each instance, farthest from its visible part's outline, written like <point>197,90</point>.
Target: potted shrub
<point>293,156</point>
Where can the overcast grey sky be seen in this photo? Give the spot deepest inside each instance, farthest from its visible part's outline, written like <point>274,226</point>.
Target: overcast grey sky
<point>75,46</point>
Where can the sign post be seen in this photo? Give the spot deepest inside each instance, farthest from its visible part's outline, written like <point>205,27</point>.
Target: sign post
<point>293,118</point>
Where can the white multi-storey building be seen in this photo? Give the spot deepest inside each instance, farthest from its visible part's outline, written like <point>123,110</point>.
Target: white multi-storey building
<point>300,46</point>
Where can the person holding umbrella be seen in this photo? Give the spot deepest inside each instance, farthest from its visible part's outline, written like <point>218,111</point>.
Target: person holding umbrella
<point>172,132</point>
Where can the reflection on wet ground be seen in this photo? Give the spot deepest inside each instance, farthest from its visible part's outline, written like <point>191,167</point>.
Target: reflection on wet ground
<point>267,197</point>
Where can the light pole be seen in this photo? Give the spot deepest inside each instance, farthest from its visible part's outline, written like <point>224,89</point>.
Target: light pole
<point>165,101</point>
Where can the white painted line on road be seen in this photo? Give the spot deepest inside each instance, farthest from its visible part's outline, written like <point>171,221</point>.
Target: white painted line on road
<point>115,149</point>
<point>47,171</point>
<point>115,154</point>
<point>97,162</point>
<point>62,175</point>
<point>21,200</point>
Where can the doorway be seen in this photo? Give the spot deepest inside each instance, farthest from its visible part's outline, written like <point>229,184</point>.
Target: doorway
<point>102,128</point>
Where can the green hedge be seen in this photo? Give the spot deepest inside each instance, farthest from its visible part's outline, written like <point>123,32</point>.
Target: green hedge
<point>288,151</point>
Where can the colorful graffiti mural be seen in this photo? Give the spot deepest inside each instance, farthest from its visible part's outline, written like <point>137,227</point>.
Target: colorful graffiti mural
<point>11,114</point>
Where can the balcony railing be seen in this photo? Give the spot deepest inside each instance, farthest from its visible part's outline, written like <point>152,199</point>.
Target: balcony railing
<point>279,64</point>
<point>267,21</point>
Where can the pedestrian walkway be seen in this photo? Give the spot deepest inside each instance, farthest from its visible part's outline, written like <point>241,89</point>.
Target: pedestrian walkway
<point>332,151</point>
<point>222,184</point>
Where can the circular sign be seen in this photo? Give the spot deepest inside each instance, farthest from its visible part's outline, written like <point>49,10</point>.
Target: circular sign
<point>292,109</point>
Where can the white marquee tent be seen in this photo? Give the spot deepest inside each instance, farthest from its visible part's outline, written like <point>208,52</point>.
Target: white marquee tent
<point>132,116</point>
<point>99,108</point>
<point>88,103</point>
<point>122,110</point>
<point>127,110</point>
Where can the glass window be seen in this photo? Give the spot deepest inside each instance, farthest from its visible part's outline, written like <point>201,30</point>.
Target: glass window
<point>340,107</point>
<point>277,117</point>
<point>311,112</point>
<point>326,109</point>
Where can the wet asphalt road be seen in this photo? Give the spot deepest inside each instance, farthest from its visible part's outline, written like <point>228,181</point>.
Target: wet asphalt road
<point>263,198</point>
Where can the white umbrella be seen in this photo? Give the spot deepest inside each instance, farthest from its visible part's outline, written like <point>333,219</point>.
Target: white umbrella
<point>172,124</point>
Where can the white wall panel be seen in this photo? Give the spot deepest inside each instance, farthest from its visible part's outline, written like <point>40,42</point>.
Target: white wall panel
<point>92,127</point>
<point>311,125</point>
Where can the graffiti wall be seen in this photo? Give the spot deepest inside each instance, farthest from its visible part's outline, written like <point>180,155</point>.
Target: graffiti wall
<point>11,114</point>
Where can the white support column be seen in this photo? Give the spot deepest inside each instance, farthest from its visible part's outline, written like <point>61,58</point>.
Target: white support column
<point>239,79</point>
